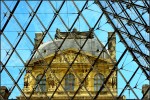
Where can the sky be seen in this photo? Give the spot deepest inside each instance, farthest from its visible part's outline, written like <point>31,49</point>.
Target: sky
<point>68,13</point>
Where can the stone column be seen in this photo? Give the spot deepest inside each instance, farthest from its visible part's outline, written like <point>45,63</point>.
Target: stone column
<point>112,52</point>
<point>112,45</point>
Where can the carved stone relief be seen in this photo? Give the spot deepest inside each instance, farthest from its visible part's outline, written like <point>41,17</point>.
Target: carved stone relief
<point>70,57</point>
<point>51,81</point>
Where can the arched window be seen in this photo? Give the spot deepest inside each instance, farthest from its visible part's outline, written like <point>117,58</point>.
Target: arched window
<point>69,82</point>
<point>42,85</point>
<point>98,81</point>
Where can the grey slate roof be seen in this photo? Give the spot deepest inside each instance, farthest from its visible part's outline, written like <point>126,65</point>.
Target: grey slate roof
<point>92,46</point>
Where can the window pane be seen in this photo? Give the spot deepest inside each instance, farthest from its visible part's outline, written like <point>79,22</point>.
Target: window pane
<point>69,82</point>
<point>98,80</point>
<point>42,85</point>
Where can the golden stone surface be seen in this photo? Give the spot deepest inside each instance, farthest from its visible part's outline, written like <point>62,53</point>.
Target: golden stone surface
<point>79,69</point>
<point>57,67</point>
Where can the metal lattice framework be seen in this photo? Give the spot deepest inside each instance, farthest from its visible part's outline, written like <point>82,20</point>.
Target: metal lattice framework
<point>130,19</point>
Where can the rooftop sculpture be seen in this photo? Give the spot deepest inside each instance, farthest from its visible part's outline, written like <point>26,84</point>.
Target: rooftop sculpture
<point>74,34</point>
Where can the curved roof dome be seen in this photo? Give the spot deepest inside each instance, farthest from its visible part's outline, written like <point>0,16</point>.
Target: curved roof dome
<point>92,46</point>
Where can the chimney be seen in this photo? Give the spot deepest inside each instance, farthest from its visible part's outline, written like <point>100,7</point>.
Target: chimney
<point>37,39</point>
<point>112,45</point>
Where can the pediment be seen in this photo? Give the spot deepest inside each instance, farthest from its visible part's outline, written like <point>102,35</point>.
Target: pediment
<point>68,56</point>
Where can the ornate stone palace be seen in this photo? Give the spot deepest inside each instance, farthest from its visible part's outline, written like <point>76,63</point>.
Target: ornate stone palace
<point>55,65</point>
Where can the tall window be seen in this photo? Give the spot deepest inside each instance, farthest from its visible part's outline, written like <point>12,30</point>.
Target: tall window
<point>69,82</point>
<point>42,85</point>
<point>98,81</point>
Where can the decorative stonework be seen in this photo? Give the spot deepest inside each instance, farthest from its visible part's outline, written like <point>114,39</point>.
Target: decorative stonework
<point>79,69</point>
<point>112,45</point>
<point>74,34</point>
<point>69,57</point>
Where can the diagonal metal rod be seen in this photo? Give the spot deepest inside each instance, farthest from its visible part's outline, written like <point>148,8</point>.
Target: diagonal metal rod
<point>50,37</point>
<point>8,73</point>
<point>137,32</point>
<point>11,13</point>
<point>130,20</point>
<point>40,43</point>
<point>99,4</point>
<point>18,43</point>
<point>19,58</point>
<point>127,19</point>
<point>15,50</point>
<point>134,4</point>
<point>128,46</point>
<point>128,83</point>
<point>20,36</point>
<point>92,28</point>
<point>79,45</point>
<point>79,50</point>
<point>137,38</point>
<point>114,68</point>
<point>76,43</point>
<point>139,15</point>
<point>93,64</point>
<point>20,24</point>
<point>147,91</point>
<point>131,50</point>
<point>91,68</point>
<point>146,3</point>
<point>95,36</point>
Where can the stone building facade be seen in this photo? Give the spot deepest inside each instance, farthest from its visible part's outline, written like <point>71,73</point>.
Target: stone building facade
<point>4,93</point>
<point>144,89</point>
<point>57,64</point>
